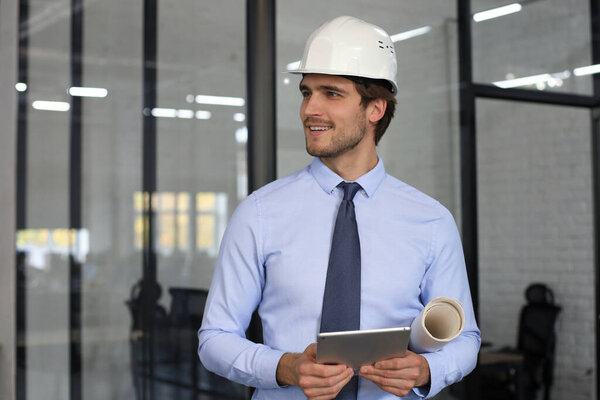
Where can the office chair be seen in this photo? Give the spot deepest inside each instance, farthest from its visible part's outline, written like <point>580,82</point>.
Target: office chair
<point>176,370</point>
<point>185,318</point>
<point>537,337</point>
<point>534,354</point>
<point>187,307</point>
<point>138,343</point>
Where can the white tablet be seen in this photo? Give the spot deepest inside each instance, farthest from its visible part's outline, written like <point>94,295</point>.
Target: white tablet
<point>356,348</point>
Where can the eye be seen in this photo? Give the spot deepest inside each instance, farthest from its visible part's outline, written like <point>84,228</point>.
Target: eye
<point>305,93</point>
<point>333,94</point>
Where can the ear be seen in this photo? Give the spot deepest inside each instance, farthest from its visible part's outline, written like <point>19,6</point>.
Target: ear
<point>377,109</point>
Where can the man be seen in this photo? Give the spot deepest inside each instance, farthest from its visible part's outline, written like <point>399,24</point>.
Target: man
<point>278,254</point>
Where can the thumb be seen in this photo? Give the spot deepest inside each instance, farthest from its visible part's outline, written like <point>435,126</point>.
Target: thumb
<point>311,351</point>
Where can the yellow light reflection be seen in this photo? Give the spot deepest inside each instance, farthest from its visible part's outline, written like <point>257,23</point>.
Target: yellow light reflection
<point>183,202</point>
<point>35,237</point>
<point>173,216</point>
<point>205,229</point>
<point>182,231</point>
<point>205,201</point>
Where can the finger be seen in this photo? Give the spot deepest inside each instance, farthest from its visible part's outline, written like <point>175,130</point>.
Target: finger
<point>321,370</point>
<point>328,391</point>
<point>396,391</point>
<point>385,372</point>
<point>311,349</point>
<point>322,394</point>
<point>311,381</point>
<point>391,372</point>
<point>378,375</point>
<point>408,360</point>
<point>397,386</point>
<point>394,363</point>
<point>386,380</point>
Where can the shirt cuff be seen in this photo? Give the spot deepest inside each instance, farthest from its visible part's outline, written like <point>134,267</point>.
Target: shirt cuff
<point>268,368</point>
<point>422,391</point>
<point>437,374</point>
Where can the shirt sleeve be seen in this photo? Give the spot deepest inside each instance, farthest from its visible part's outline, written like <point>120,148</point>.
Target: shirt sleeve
<point>234,294</point>
<point>446,275</point>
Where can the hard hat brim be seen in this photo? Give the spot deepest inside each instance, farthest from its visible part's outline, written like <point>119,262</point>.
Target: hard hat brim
<point>394,86</point>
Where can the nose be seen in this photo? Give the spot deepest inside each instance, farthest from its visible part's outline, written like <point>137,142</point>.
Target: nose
<point>311,106</point>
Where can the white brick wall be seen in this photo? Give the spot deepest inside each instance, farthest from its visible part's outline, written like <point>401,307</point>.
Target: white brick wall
<point>535,225</point>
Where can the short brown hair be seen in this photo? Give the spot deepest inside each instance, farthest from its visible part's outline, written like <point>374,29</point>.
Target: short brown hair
<point>371,89</point>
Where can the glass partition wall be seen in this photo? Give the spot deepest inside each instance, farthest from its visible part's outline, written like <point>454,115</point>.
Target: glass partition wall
<point>541,45</point>
<point>534,179</point>
<point>536,226</point>
<point>102,319</point>
<point>45,239</point>
<point>132,156</point>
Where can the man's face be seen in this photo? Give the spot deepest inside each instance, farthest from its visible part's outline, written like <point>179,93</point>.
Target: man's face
<point>334,121</point>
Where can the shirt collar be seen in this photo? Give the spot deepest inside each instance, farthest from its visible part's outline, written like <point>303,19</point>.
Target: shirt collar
<point>328,180</point>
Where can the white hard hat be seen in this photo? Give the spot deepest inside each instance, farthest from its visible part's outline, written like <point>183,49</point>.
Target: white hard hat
<point>352,47</point>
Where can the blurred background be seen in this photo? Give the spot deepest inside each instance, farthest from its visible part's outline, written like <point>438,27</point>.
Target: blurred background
<point>125,138</point>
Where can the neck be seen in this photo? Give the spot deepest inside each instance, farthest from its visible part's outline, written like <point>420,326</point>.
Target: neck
<point>352,166</point>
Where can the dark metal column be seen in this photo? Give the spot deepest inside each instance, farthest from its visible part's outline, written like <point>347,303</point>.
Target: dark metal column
<point>22,77</point>
<point>75,148</point>
<point>149,274</point>
<point>595,43</point>
<point>468,167</point>
<point>261,104</point>
<point>21,205</point>
<point>468,150</point>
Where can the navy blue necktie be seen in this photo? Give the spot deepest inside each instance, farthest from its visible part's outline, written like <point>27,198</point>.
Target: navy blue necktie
<point>341,300</point>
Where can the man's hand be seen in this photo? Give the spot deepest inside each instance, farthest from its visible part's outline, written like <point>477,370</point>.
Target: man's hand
<point>398,375</point>
<point>317,381</point>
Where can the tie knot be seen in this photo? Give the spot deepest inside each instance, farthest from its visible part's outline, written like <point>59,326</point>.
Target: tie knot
<point>350,189</point>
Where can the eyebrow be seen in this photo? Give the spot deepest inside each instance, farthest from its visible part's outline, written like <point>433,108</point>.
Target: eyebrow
<point>324,88</point>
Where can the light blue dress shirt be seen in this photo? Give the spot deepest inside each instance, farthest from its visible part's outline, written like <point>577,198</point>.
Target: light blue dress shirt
<point>275,253</point>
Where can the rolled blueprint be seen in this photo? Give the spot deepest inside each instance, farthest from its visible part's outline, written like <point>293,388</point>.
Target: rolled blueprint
<point>441,320</point>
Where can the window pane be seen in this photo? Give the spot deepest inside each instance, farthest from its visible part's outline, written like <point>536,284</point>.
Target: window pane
<point>200,105</point>
<point>46,288</point>
<point>539,47</point>
<point>113,202</point>
<point>536,225</point>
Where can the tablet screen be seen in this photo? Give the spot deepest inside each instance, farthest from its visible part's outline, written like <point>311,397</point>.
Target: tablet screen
<point>356,348</point>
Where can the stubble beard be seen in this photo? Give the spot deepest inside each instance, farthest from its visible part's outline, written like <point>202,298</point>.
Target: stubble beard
<point>341,143</point>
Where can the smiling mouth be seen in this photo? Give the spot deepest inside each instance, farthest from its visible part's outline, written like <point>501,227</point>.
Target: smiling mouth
<point>319,128</point>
